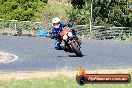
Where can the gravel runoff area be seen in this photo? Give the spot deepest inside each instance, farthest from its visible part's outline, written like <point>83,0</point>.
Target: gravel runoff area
<point>7,57</point>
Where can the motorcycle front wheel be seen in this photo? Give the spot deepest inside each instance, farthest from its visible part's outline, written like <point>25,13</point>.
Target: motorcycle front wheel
<point>76,49</point>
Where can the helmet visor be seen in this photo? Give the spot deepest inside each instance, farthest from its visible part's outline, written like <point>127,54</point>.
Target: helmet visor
<point>56,25</point>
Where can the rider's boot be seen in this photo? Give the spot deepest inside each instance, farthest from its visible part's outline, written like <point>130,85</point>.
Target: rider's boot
<point>57,46</point>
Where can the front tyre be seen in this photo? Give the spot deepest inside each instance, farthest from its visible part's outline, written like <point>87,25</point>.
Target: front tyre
<point>76,49</point>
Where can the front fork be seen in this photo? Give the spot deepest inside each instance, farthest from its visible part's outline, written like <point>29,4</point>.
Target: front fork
<point>68,44</point>
<point>70,41</point>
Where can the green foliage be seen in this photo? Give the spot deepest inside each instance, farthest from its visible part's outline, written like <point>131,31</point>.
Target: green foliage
<point>45,1</point>
<point>105,12</point>
<point>32,10</point>
<point>78,3</point>
<point>21,14</point>
<point>22,10</point>
<point>111,12</point>
<point>78,16</point>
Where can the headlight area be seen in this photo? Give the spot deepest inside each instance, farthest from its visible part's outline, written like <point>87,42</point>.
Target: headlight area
<point>70,34</point>
<point>65,37</point>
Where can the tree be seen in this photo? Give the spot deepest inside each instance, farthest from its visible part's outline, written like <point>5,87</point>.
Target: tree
<point>20,9</point>
<point>78,3</point>
<point>105,12</point>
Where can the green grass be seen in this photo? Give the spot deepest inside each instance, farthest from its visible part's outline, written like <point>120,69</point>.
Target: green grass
<point>55,82</point>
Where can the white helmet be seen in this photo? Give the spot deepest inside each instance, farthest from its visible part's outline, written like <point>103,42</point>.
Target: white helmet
<point>56,20</point>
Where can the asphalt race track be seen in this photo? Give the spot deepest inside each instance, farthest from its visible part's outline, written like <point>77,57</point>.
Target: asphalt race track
<point>38,53</point>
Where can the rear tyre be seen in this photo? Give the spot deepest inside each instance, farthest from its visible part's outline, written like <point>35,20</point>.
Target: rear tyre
<point>76,50</point>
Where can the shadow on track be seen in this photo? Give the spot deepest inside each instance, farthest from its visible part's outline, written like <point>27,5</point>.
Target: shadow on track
<point>71,56</point>
<point>75,56</point>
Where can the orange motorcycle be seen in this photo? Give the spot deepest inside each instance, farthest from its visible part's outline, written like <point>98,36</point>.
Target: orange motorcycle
<point>70,44</point>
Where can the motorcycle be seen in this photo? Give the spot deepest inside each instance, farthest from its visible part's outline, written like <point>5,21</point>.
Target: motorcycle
<point>70,44</point>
